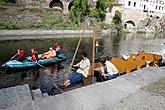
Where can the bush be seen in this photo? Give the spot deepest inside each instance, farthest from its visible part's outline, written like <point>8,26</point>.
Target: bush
<point>10,1</point>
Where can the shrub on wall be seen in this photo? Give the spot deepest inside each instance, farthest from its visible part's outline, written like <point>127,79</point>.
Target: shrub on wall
<point>10,1</point>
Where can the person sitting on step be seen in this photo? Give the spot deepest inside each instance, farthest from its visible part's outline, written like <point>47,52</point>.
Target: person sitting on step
<point>108,70</point>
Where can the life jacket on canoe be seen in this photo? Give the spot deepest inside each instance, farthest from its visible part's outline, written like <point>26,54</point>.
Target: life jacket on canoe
<point>34,54</point>
<point>58,48</point>
<point>21,55</point>
<point>50,54</point>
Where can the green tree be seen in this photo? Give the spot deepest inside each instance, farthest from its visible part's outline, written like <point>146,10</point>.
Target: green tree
<point>112,3</point>
<point>99,12</point>
<point>101,6</point>
<point>79,11</point>
<point>117,21</point>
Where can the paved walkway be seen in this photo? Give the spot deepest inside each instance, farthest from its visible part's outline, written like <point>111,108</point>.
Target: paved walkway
<point>140,90</point>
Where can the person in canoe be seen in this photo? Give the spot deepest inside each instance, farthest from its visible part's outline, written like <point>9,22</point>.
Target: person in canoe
<point>108,70</point>
<point>58,48</point>
<point>50,54</point>
<point>82,71</point>
<point>34,54</point>
<point>20,56</point>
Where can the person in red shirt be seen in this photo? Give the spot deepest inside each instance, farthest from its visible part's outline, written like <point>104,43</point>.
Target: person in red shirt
<point>34,54</point>
<point>21,55</point>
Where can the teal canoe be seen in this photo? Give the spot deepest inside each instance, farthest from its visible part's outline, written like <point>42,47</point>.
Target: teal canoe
<point>27,63</point>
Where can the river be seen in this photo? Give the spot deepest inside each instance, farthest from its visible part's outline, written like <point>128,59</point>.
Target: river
<point>107,45</point>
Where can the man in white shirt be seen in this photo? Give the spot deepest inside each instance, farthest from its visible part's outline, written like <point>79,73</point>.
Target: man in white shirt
<point>163,57</point>
<point>108,70</point>
<point>82,71</point>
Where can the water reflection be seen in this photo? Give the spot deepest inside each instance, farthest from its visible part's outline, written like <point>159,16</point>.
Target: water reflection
<point>109,45</point>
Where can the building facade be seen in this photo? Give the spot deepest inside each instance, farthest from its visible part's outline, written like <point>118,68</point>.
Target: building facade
<point>150,6</point>
<point>136,12</point>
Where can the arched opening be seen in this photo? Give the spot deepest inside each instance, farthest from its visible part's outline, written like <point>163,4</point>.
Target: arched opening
<point>70,5</point>
<point>56,4</point>
<point>129,24</point>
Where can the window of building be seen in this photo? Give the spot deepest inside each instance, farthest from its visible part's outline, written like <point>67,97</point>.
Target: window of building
<point>156,7</point>
<point>145,10</point>
<point>144,7</point>
<point>134,4</point>
<point>129,3</point>
<point>160,2</point>
<point>159,7</point>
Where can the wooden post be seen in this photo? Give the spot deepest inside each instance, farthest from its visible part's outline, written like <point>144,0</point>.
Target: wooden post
<point>93,55</point>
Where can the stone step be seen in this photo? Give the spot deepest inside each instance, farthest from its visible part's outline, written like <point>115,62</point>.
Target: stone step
<point>37,94</point>
<point>13,96</point>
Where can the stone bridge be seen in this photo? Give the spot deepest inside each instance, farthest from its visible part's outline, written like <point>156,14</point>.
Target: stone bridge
<point>130,18</point>
<point>61,4</point>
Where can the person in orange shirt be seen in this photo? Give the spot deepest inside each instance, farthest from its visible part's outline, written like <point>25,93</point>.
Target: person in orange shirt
<point>50,54</point>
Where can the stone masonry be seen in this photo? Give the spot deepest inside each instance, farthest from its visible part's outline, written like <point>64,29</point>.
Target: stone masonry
<point>127,92</point>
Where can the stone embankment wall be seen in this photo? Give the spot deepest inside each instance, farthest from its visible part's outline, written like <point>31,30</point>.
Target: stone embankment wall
<point>32,34</point>
<point>140,90</point>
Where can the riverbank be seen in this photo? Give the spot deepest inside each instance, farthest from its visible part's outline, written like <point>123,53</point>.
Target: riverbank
<point>31,34</point>
<point>140,90</point>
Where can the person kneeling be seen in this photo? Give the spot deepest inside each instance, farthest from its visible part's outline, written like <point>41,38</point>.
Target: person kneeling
<point>82,71</point>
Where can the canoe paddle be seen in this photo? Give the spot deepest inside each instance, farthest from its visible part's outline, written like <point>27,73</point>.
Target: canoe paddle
<point>36,63</point>
<point>9,60</point>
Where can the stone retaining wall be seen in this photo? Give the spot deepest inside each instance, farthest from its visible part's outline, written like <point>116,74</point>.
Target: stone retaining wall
<point>139,90</point>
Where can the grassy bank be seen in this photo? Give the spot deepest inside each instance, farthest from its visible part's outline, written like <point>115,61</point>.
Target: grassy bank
<point>14,17</point>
